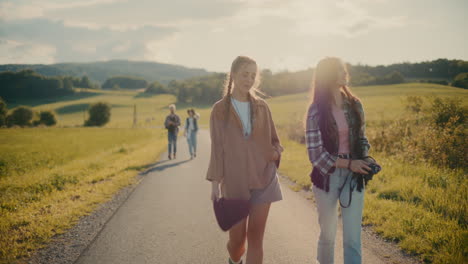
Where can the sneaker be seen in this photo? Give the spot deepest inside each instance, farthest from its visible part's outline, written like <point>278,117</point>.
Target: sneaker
<point>169,156</point>
<point>194,155</point>
<point>230,261</point>
<point>174,157</point>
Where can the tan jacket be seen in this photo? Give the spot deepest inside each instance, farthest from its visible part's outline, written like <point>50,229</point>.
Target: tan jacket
<point>241,164</point>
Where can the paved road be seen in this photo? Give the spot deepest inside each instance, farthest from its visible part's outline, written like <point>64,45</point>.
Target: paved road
<point>169,219</point>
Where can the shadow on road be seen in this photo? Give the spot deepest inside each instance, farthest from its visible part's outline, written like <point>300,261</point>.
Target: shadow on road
<point>159,166</point>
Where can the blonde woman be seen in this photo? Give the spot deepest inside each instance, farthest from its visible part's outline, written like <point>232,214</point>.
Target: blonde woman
<point>338,150</point>
<point>244,148</point>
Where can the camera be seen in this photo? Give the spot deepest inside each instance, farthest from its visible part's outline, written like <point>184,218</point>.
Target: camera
<point>375,168</point>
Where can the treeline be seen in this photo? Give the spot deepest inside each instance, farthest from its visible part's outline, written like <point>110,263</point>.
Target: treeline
<point>200,90</point>
<point>103,70</point>
<point>436,69</point>
<point>208,89</point>
<point>125,82</point>
<point>29,84</point>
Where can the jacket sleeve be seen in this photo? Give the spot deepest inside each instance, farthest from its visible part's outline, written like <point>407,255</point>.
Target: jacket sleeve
<point>363,141</point>
<point>275,141</point>
<point>166,125</point>
<point>216,166</point>
<point>318,155</point>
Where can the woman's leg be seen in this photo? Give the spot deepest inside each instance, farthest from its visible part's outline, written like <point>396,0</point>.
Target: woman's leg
<point>169,144</point>
<point>190,144</point>
<point>352,218</point>
<point>255,231</point>
<point>236,243</point>
<point>326,203</point>
<point>194,142</point>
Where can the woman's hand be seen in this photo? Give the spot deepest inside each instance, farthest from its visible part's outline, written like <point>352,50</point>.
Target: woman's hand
<point>360,166</point>
<point>275,155</point>
<point>370,160</point>
<point>215,194</point>
<point>277,150</point>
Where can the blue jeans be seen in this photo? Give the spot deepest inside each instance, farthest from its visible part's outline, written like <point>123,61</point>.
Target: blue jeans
<point>172,145</point>
<point>192,141</point>
<point>351,216</point>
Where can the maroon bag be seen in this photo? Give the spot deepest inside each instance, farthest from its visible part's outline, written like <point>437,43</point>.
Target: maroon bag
<point>230,212</point>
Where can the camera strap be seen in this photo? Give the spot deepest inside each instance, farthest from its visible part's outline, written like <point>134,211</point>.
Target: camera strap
<point>351,187</point>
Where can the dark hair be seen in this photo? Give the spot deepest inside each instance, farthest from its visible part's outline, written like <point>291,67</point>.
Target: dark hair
<point>326,75</point>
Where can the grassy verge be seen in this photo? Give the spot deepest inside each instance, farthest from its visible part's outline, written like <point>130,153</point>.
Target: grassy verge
<point>421,207</point>
<point>52,177</point>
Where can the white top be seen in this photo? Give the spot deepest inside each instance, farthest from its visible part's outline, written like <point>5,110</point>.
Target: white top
<point>191,125</point>
<point>243,111</point>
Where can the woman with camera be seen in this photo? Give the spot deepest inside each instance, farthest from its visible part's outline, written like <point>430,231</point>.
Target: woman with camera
<point>337,148</point>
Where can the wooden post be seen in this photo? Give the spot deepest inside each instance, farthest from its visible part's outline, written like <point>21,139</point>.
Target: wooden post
<point>134,116</point>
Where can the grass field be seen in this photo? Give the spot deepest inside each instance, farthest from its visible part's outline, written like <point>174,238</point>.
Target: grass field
<point>50,177</point>
<point>418,205</point>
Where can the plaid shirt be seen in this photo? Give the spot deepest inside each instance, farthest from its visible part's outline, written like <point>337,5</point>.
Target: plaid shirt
<point>323,159</point>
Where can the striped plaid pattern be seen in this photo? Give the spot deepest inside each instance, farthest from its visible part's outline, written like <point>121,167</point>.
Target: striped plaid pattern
<point>323,160</point>
<point>318,155</point>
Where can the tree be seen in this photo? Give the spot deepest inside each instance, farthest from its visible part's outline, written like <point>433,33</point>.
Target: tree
<point>85,82</point>
<point>461,80</point>
<point>125,82</point>
<point>156,88</point>
<point>67,84</point>
<point>20,116</point>
<point>3,112</point>
<point>99,114</point>
<point>47,118</point>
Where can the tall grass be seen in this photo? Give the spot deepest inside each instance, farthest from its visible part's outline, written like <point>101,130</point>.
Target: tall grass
<point>67,173</point>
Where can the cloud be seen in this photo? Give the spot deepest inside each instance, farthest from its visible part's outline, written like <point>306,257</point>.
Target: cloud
<point>19,52</point>
<point>16,10</point>
<point>80,43</point>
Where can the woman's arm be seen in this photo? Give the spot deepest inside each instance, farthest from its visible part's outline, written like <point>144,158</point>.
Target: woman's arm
<point>275,141</point>
<point>363,141</point>
<point>318,155</point>
<point>215,171</point>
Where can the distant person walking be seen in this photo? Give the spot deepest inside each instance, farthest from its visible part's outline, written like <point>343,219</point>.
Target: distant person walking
<point>338,150</point>
<point>191,129</point>
<point>172,124</point>
<point>244,152</point>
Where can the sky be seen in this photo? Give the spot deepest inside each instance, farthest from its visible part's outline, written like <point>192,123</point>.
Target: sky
<point>279,34</point>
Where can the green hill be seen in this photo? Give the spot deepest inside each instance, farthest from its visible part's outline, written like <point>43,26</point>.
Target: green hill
<point>101,71</point>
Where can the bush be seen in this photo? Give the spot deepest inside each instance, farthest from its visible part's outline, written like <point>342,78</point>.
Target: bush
<point>443,111</point>
<point>99,114</point>
<point>461,80</point>
<point>47,118</point>
<point>156,88</point>
<point>3,112</point>
<point>20,116</point>
<point>437,136</point>
<point>125,82</point>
